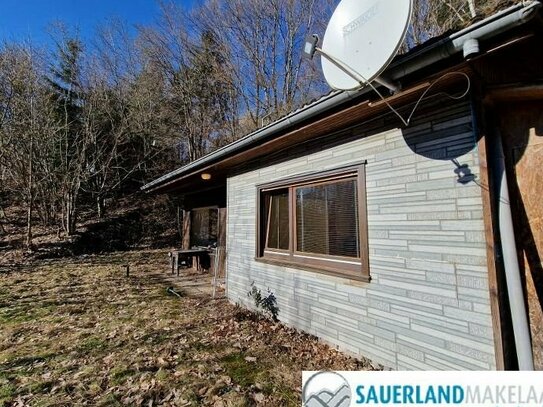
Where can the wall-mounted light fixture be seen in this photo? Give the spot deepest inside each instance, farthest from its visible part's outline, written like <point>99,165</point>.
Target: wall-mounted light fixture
<point>206,176</point>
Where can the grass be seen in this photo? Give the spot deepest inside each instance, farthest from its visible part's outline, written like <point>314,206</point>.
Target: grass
<point>7,392</point>
<point>120,374</point>
<point>242,372</point>
<point>40,386</point>
<point>77,331</point>
<point>92,345</point>
<point>9,315</point>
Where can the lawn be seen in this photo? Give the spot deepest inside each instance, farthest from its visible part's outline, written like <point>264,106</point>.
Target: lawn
<point>79,332</point>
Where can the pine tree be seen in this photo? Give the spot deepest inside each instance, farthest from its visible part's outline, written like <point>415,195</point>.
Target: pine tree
<point>204,98</point>
<point>67,97</point>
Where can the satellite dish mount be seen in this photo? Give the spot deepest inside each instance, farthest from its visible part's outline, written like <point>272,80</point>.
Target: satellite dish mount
<point>312,48</point>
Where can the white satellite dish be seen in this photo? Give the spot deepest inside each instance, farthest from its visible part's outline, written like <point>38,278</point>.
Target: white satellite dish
<point>362,38</point>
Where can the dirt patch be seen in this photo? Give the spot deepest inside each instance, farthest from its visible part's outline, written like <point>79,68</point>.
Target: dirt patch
<point>78,331</point>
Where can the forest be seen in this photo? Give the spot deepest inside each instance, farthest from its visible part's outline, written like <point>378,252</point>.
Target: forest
<point>85,122</point>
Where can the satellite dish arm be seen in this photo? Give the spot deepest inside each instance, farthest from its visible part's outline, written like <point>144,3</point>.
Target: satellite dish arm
<point>311,49</point>
<point>394,88</point>
<point>355,75</point>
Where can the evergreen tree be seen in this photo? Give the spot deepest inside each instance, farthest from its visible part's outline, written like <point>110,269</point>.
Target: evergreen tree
<point>65,83</point>
<point>203,98</point>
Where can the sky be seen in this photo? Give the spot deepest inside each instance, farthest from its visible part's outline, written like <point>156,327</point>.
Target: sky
<point>30,19</point>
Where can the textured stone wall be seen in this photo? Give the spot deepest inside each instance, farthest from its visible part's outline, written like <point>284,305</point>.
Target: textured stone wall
<point>427,306</point>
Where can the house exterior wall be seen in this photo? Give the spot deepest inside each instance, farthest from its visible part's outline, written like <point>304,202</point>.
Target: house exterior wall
<point>427,305</point>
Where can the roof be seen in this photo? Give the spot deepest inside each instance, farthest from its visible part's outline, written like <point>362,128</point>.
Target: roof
<point>434,51</point>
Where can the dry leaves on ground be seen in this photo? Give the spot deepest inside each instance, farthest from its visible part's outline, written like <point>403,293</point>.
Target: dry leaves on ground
<point>79,332</point>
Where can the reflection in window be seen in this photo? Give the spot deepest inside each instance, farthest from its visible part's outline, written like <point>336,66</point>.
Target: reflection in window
<point>204,227</point>
<point>277,236</point>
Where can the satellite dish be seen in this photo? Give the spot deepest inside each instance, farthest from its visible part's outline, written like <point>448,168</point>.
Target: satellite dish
<point>363,36</point>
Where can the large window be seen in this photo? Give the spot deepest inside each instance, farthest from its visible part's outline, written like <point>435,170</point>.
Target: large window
<point>316,222</point>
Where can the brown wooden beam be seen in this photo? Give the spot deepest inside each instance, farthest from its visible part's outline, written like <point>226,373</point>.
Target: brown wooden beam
<point>486,194</point>
<point>186,230</point>
<point>514,93</point>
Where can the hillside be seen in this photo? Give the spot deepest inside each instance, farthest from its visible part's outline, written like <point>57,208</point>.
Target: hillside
<point>137,221</point>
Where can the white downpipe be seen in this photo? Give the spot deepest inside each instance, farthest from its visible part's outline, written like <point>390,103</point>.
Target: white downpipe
<point>515,291</point>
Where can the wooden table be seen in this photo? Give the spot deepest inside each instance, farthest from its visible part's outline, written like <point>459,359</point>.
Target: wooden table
<point>188,256</point>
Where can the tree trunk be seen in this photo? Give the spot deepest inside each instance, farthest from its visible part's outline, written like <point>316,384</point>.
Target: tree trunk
<point>70,213</point>
<point>30,196</point>
<point>29,222</point>
<point>2,218</point>
<point>66,222</point>
<point>63,217</point>
<point>100,207</point>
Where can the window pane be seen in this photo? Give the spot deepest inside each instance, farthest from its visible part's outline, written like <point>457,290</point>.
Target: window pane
<point>327,219</point>
<point>204,227</point>
<point>278,225</point>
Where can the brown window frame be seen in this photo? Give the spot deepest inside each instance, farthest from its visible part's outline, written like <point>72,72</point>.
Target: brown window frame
<point>267,231</point>
<point>354,268</point>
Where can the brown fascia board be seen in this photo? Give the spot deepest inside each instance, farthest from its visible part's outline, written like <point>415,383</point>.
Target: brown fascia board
<point>327,124</point>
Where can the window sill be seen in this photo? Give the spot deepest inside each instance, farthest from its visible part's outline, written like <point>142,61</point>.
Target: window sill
<point>351,278</point>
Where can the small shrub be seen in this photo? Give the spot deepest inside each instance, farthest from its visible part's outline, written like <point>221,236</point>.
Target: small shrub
<point>267,304</point>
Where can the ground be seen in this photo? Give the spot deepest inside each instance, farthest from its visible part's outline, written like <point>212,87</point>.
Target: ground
<point>77,331</point>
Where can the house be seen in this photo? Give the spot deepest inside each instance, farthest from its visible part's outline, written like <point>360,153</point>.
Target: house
<point>404,244</point>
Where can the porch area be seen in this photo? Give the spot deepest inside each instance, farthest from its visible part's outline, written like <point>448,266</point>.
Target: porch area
<point>193,283</point>
<point>198,271</point>
<point>198,263</point>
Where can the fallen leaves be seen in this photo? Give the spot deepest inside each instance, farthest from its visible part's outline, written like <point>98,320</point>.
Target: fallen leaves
<point>259,397</point>
<point>250,359</point>
<point>82,333</point>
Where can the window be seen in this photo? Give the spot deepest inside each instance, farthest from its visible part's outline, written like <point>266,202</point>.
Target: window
<point>277,228</point>
<point>316,222</point>
<point>204,227</point>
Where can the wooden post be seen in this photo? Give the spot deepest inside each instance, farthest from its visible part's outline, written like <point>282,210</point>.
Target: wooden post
<point>180,217</point>
<point>221,241</point>
<point>186,230</point>
<point>127,266</point>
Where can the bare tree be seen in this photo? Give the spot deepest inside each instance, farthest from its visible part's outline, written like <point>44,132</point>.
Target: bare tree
<point>262,42</point>
<point>25,124</point>
<point>200,102</point>
<point>435,17</point>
